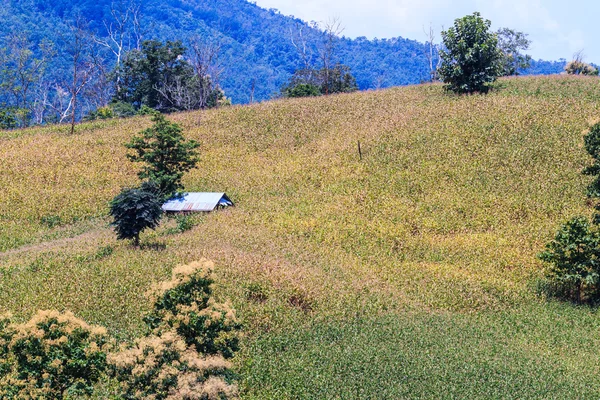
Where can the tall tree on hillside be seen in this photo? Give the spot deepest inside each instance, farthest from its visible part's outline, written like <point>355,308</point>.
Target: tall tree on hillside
<point>166,155</point>
<point>471,58</point>
<point>511,43</point>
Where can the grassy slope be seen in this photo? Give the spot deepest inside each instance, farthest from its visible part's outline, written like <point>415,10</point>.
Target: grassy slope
<point>406,274</point>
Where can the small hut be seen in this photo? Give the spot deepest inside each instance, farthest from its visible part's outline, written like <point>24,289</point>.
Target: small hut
<point>197,202</point>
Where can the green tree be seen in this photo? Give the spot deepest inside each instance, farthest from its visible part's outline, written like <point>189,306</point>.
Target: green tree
<point>471,58</point>
<point>160,76</point>
<point>145,70</point>
<point>511,43</point>
<point>165,153</point>
<point>134,210</point>
<point>574,254</point>
<point>592,146</point>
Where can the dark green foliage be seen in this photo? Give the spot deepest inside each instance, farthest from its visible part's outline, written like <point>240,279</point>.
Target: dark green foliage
<point>146,69</point>
<point>53,356</point>
<point>302,90</point>
<point>574,253</point>
<point>471,59</point>
<point>6,334</point>
<point>313,82</point>
<point>7,119</point>
<point>159,76</point>
<point>13,117</point>
<point>134,210</point>
<point>573,258</point>
<point>338,80</point>
<point>183,356</point>
<point>511,43</point>
<point>165,153</point>
<point>592,145</point>
<point>122,110</point>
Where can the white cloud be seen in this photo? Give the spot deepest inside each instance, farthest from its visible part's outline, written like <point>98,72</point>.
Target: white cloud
<point>556,31</point>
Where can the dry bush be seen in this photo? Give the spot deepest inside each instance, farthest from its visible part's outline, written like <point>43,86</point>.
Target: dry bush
<point>164,367</point>
<point>577,67</point>
<point>52,356</point>
<point>184,357</point>
<point>184,304</point>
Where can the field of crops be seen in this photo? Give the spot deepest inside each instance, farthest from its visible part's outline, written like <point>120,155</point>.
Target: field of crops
<point>409,273</point>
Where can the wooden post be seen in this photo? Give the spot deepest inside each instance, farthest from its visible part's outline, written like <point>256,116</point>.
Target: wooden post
<point>359,151</point>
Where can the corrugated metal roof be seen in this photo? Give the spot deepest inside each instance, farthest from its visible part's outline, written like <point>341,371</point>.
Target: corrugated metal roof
<point>197,202</point>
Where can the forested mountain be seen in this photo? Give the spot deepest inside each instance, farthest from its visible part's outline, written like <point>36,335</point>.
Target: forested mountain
<point>257,52</point>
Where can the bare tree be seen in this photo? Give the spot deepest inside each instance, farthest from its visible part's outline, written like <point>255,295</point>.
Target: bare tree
<point>80,54</point>
<point>139,30</point>
<point>124,30</point>
<point>301,41</point>
<point>204,59</point>
<point>196,86</point>
<point>433,54</point>
<point>332,29</point>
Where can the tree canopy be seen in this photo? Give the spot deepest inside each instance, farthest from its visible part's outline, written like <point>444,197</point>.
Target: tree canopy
<point>471,58</point>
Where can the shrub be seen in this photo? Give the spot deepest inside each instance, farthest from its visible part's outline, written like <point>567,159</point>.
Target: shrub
<point>122,110</point>
<point>573,258</point>
<point>592,146</point>
<point>184,304</point>
<point>134,210</point>
<point>184,355</point>
<point>163,367</point>
<point>578,67</point>
<point>145,110</point>
<point>165,153</point>
<point>302,90</point>
<point>471,60</point>
<point>52,356</point>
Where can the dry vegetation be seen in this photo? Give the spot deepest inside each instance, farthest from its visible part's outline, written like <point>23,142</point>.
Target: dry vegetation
<point>444,215</point>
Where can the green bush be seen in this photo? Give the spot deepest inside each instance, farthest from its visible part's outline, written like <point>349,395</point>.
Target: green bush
<point>592,146</point>
<point>123,110</point>
<point>134,210</point>
<point>145,110</point>
<point>574,264</point>
<point>302,90</point>
<point>52,356</point>
<point>184,304</point>
<point>471,61</point>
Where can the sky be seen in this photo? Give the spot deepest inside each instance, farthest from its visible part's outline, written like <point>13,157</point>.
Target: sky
<point>557,28</point>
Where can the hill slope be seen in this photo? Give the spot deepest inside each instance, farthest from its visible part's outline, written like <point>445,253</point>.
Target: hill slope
<point>407,273</point>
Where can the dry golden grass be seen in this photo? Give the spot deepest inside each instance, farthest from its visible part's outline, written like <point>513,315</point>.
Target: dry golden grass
<point>453,199</point>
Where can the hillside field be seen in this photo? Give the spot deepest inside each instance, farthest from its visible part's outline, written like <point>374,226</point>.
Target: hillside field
<point>408,274</point>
